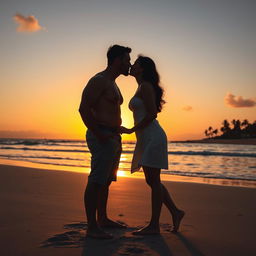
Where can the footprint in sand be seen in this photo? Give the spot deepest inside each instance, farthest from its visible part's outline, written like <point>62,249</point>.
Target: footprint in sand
<point>79,225</point>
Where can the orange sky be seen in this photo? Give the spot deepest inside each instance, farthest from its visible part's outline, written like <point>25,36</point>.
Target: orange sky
<point>48,53</point>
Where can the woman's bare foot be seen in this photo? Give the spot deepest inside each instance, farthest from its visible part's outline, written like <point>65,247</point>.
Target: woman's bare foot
<point>107,223</point>
<point>148,230</point>
<point>98,234</point>
<point>177,220</point>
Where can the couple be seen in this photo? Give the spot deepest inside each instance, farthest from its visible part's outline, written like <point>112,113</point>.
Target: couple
<point>100,112</point>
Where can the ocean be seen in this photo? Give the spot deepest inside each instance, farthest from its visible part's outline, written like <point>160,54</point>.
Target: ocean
<point>209,163</point>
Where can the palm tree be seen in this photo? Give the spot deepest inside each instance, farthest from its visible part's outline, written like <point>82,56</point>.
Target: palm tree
<point>225,128</point>
<point>226,124</point>
<point>210,131</point>
<point>245,123</point>
<point>234,123</point>
<point>238,125</point>
<point>252,130</point>
<point>248,131</point>
<point>246,126</point>
<point>236,131</point>
<point>215,132</point>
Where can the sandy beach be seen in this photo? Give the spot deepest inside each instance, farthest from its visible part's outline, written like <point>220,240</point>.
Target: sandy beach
<point>42,214</point>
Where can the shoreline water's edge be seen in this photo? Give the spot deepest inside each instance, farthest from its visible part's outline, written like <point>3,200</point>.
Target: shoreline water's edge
<point>139,175</point>
<point>219,141</point>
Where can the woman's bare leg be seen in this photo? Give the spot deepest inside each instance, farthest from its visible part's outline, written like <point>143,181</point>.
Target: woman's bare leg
<point>177,214</point>
<point>152,176</point>
<point>159,195</point>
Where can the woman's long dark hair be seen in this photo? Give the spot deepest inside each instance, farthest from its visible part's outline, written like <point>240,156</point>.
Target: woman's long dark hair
<point>151,75</point>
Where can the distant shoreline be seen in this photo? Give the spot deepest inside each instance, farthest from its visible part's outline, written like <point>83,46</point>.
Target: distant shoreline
<point>221,141</point>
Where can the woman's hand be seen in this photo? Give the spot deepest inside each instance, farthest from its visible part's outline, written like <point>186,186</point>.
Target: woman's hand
<point>125,130</point>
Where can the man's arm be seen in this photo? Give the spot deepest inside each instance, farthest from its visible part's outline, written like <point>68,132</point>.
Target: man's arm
<point>91,94</point>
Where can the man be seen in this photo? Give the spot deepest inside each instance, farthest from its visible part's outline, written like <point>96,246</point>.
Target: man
<point>100,112</point>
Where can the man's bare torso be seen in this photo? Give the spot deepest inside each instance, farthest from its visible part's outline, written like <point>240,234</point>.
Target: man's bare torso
<point>107,110</point>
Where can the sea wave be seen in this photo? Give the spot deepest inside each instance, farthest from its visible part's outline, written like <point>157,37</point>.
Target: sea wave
<point>210,153</point>
<point>189,153</point>
<point>45,149</point>
<point>32,142</point>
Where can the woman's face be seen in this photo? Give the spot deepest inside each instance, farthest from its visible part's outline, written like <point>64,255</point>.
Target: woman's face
<point>136,69</point>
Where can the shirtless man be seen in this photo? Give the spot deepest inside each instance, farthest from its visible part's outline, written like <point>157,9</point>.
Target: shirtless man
<point>100,112</point>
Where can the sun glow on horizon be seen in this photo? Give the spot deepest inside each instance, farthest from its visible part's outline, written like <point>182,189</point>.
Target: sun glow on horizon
<point>121,173</point>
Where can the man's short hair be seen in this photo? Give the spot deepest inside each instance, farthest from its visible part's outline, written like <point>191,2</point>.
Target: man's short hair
<point>115,51</point>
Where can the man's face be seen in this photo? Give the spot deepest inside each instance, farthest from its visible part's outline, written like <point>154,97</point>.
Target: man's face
<point>125,64</point>
<point>136,69</point>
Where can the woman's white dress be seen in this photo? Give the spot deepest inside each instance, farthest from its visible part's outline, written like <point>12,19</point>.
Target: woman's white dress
<point>151,147</point>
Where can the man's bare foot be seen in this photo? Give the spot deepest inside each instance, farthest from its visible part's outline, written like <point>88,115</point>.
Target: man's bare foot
<point>98,234</point>
<point>148,230</point>
<point>177,220</point>
<point>107,223</point>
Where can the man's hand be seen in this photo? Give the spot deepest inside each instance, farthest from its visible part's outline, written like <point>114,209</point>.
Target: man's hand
<point>123,129</point>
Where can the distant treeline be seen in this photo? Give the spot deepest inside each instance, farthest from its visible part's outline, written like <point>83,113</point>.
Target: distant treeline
<point>234,130</point>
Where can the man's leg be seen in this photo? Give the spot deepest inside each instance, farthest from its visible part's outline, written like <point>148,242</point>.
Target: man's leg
<point>91,196</point>
<point>102,204</point>
<point>102,216</point>
<point>113,153</point>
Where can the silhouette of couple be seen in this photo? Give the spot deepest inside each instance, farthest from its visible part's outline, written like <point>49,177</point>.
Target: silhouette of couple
<point>101,114</point>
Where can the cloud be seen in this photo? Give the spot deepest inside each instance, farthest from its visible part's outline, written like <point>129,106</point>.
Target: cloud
<point>27,24</point>
<point>238,101</point>
<point>187,108</point>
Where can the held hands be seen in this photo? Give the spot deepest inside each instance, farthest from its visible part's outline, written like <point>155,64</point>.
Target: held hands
<point>125,130</point>
<point>103,138</point>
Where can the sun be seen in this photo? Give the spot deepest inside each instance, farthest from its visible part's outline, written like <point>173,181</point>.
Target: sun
<point>121,173</point>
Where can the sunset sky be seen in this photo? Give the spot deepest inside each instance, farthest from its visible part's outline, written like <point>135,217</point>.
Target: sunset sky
<point>205,52</point>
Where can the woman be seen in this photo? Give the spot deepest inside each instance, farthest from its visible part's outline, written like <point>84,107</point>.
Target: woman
<point>151,147</point>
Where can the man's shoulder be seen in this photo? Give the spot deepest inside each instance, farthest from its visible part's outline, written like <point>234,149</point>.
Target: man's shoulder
<point>98,79</point>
